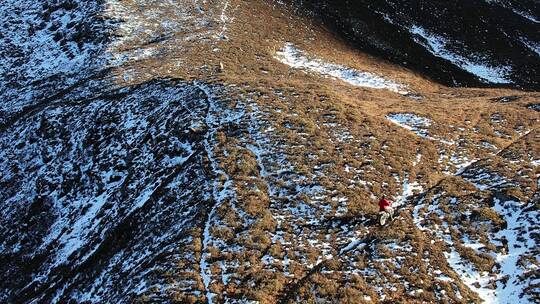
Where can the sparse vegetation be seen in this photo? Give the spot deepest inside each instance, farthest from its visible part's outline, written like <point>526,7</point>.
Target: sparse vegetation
<point>275,197</point>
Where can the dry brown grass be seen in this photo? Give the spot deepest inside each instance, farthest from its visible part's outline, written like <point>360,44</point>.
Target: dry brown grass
<point>302,105</point>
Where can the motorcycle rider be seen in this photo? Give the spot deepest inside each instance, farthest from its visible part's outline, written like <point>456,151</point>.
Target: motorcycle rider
<point>386,206</point>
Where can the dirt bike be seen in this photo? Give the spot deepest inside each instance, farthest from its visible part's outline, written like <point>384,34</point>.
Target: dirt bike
<point>385,215</point>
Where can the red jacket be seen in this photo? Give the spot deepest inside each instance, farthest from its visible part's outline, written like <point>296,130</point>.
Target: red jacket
<point>383,203</point>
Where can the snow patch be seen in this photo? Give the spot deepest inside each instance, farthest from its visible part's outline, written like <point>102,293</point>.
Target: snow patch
<point>354,244</point>
<point>413,122</point>
<point>408,190</point>
<point>297,59</point>
<point>469,276</point>
<point>520,242</point>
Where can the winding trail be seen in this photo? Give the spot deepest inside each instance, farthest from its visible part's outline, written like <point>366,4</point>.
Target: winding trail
<point>212,125</point>
<point>224,20</point>
<point>223,188</point>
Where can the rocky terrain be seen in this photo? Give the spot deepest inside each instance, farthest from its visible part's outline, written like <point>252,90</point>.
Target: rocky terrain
<point>230,151</point>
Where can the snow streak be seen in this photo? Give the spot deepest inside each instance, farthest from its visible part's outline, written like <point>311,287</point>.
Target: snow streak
<point>297,59</point>
<point>437,45</point>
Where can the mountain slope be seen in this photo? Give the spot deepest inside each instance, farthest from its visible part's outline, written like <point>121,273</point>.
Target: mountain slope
<point>187,152</point>
<point>472,43</point>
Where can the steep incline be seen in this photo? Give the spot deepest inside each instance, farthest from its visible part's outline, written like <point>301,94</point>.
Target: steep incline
<point>184,151</point>
<point>472,43</point>
<point>47,49</point>
<point>114,181</point>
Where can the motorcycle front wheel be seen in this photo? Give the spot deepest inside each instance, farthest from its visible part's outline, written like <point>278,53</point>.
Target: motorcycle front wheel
<point>383,217</point>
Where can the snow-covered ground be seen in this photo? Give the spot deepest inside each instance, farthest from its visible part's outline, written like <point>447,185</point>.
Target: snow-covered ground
<point>41,54</point>
<point>475,64</point>
<point>221,190</point>
<point>470,276</point>
<point>44,48</point>
<point>147,30</point>
<point>520,236</point>
<point>298,59</point>
<point>464,269</point>
<point>513,276</point>
<point>82,216</point>
<point>132,184</point>
<point>410,121</point>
